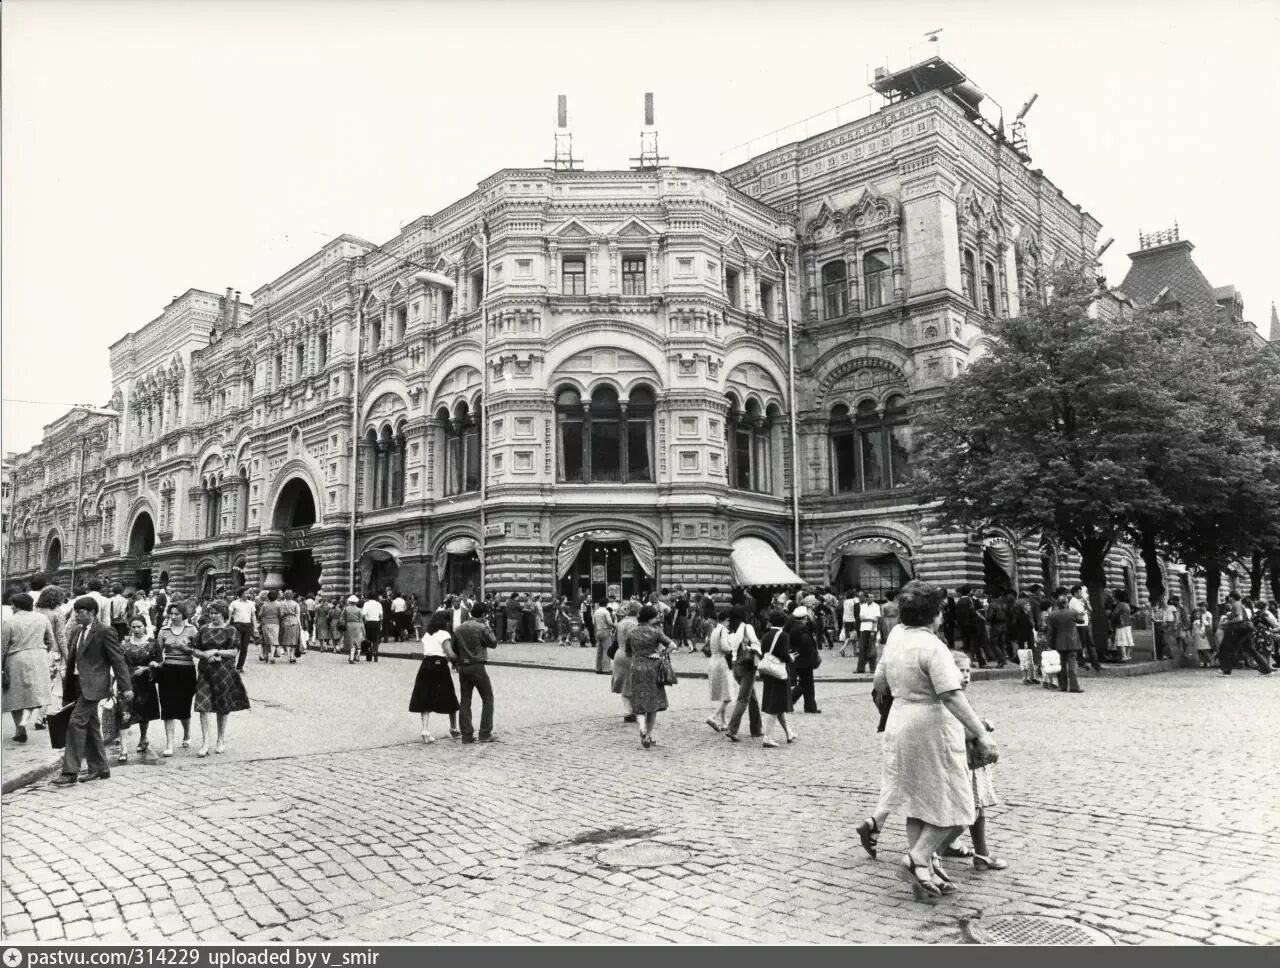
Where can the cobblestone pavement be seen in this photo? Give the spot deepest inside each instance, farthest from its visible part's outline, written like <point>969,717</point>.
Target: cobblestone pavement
<point>1141,807</point>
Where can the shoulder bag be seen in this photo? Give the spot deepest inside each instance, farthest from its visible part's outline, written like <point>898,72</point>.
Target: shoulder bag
<point>770,665</point>
<point>666,673</point>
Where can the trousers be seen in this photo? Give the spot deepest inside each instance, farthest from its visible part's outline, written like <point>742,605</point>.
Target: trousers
<point>747,702</point>
<point>603,638</point>
<point>1236,638</point>
<point>866,650</point>
<point>1088,651</point>
<point>84,739</point>
<point>245,631</point>
<point>804,688</point>
<point>372,632</point>
<point>1067,681</point>
<point>475,678</point>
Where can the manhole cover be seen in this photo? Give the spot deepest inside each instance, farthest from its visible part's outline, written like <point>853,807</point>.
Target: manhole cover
<point>1033,929</point>
<point>642,855</point>
<point>240,809</point>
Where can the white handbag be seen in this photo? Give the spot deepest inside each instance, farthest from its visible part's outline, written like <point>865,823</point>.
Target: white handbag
<point>772,666</point>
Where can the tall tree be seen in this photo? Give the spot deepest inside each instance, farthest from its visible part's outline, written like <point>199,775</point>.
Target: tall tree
<point>1070,425</point>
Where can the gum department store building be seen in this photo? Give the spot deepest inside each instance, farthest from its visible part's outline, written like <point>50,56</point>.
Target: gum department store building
<point>627,411</point>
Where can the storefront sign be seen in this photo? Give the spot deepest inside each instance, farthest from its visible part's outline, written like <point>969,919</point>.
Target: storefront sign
<point>494,530</point>
<point>295,540</point>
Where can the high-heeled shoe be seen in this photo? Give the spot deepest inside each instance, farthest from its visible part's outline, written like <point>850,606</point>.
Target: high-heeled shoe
<point>923,889</point>
<point>122,759</point>
<point>204,751</point>
<point>644,740</point>
<point>221,747</point>
<point>186,744</point>
<point>940,876</point>
<point>427,737</point>
<point>167,751</point>
<point>988,862</point>
<point>868,834</point>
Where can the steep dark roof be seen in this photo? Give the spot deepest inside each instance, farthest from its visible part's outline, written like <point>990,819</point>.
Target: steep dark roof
<point>1168,267</point>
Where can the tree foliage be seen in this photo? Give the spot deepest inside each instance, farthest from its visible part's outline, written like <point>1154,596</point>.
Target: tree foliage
<point>1094,428</point>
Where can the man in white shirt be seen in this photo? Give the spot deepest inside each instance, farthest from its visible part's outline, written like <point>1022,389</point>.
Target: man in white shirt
<point>602,619</point>
<point>400,617</point>
<point>1079,606</point>
<point>372,612</point>
<point>104,604</point>
<point>868,632</point>
<point>849,619</point>
<point>243,614</point>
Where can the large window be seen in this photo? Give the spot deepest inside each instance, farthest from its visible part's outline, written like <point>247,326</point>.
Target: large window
<point>989,287</point>
<point>870,449</point>
<point>633,283</point>
<point>733,287</point>
<point>766,300</point>
<point>573,275</point>
<point>462,441</point>
<point>835,290</point>
<point>878,277</point>
<point>966,275</point>
<point>605,439</point>
<point>750,436</point>
<point>384,467</point>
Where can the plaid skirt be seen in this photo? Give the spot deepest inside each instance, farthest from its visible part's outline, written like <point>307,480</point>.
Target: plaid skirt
<point>219,688</point>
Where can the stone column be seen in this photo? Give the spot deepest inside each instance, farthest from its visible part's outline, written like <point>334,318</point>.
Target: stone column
<point>553,268</point>
<point>895,260</point>
<point>615,280</point>
<point>655,275</point>
<point>379,475</point>
<point>812,309</point>
<point>853,274</point>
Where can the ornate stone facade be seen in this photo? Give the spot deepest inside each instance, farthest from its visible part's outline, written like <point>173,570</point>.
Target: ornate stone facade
<point>627,408</point>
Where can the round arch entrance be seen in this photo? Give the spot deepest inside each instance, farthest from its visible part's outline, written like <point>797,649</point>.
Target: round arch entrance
<point>874,564</point>
<point>593,565</point>
<point>53,557</point>
<point>142,540</point>
<point>295,513</point>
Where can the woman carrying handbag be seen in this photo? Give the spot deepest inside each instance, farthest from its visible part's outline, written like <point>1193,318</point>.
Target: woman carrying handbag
<point>777,666</point>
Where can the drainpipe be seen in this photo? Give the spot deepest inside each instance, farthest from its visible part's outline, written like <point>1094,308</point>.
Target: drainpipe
<point>484,396</point>
<point>791,407</point>
<point>355,435</point>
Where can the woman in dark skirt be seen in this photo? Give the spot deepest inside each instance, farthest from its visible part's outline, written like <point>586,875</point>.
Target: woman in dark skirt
<point>176,678</point>
<point>433,688</point>
<point>219,689</point>
<point>144,656</point>
<point>775,701</point>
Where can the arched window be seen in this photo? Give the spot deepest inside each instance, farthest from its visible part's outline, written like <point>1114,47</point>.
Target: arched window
<point>967,274</point>
<point>279,371</point>
<point>299,361</point>
<point>399,323</point>
<point>878,278</point>
<point>461,449</point>
<point>870,449</point>
<point>989,287</point>
<point>375,334</point>
<point>212,506</point>
<point>384,457</point>
<point>750,439</point>
<point>322,350</point>
<point>835,290</point>
<point>605,440</point>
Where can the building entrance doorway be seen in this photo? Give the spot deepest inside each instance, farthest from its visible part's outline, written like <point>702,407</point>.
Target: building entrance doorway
<point>53,558</point>
<point>997,568</point>
<point>301,572</point>
<point>604,568</point>
<point>142,580</point>
<point>462,574</point>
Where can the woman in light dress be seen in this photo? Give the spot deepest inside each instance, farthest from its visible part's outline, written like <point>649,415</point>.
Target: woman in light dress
<point>924,769</point>
<point>49,603</point>
<point>719,678</point>
<point>291,627</point>
<point>621,665</point>
<point>27,639</point>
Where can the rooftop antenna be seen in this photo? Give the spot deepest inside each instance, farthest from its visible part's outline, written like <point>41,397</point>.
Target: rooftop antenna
<point>1019,140</point>
<point>649,157</point>
<point>564,160</point>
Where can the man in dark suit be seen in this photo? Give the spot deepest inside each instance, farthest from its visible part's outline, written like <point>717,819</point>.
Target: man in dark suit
<point>805,648</point>
<point>93,654</point>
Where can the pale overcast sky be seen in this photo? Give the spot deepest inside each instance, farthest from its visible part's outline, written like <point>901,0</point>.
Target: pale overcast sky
<point>151,147</point>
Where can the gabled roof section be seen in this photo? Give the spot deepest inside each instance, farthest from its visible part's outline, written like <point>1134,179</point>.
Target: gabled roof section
<point>573,229</point>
